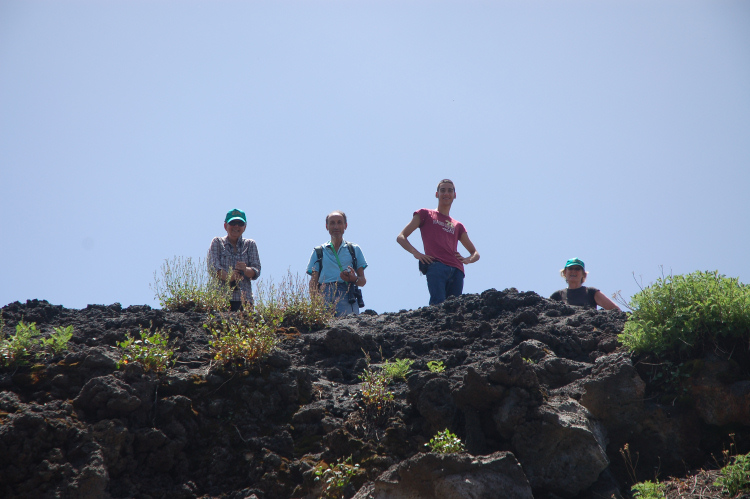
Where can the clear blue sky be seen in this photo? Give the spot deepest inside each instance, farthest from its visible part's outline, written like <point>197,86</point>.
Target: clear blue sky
<point>617,132</point>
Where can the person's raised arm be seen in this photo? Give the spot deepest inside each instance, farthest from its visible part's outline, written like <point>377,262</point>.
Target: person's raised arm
<point>604,302</point>
<point>403,240</point>
<point>473,254</point>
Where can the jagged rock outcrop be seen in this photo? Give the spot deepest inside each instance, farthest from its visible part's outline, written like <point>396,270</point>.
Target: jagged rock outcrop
<point>451,476</point>
<point>538,392</point>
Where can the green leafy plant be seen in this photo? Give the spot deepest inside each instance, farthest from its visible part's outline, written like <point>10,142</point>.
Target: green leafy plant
<point>239,340</point>
<point>151,351</point>
<point>16,349</point>
<point>57,341</point>
<point>687,312</point>
<point>734,477</point>
<point>435,366</point>
<point>376,398</point>
<point>648,490</point>
<point>399,368</point>
<point>290,303</point>
<point>336,477</point>
<point>445,442</point>
<point>186,285</point>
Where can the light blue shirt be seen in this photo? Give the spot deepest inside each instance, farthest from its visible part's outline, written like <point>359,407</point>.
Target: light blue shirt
<point>331,271</point>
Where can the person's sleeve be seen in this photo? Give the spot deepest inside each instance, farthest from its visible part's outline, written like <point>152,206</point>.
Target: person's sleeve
<point>254,258</point>
<point>461,230</point>
<point>311,263</point>
<point>422,213</point>
<point>361,262</point>
<point>557,296</point>
<point>214,255</point>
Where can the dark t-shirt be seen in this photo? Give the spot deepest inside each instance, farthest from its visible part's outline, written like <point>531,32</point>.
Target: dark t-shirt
<point>580,297</point>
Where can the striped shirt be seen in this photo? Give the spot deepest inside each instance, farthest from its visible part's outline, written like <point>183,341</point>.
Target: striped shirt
<point>223,256</point>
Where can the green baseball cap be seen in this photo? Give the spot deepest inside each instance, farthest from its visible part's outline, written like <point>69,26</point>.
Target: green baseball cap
<point>575,261</point>
<point>236,215</point>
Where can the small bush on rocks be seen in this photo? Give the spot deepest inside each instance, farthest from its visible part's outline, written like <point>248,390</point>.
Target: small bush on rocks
<point>687,312</point>
<point>239,340</point>
<point>435,366</point>
<point>57,341</point>
<point>151,351</point>
<point>185,285</point>
<point>336,477</point>
<point>445,442</point>
<point>399,368</point>
<point>291,304</point>
<point>734,477</point>
<point>17,349</point>
<point>648,490</point>
<point>376,398</point>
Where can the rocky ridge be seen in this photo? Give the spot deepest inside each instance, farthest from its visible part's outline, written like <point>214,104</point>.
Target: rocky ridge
<point>538,391</point>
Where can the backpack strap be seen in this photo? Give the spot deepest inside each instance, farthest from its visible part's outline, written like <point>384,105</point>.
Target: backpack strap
<point>354,257</point>
<point>319,261</point>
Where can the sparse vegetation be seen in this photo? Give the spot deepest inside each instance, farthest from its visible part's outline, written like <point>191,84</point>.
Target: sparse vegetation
<point>57,341</point>
<point>445,442</point>
<point>239,340</point>
<point>399,368</point>
<point>19,348</point>
<point>376,398</point>
<point>187,285</point>
<point>734,476</point>
<point>336,477</point>
<point>435,366</point>
<point>687,313</point>
<point>150,351</point>
<point>290,303</point>
<point>648,490</point>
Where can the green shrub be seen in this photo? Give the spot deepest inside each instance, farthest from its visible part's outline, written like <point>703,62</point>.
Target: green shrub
<point>16,349</point>
<point>445,442</point>
<point>686,312</point>
<point>336,477</point>
<point>290,303</point>
<point>735,477</point>
<point>399,368</point>
<point>648,490</point>
<point>57,341</point>
<point>151,351</point>
<point>435,366</point>
<point>185,285</point>
<point>375,395</point>
<point>239,341</point>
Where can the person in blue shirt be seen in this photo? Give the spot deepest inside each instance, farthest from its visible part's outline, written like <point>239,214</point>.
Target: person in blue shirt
<point>334,274</point>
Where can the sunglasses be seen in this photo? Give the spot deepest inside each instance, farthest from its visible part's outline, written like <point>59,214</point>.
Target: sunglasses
<point>235,223</point>
<point>574,267</point>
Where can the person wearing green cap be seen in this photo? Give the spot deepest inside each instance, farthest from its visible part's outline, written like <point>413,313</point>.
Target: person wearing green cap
<point>576,293</point>
<point>235,260</point>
